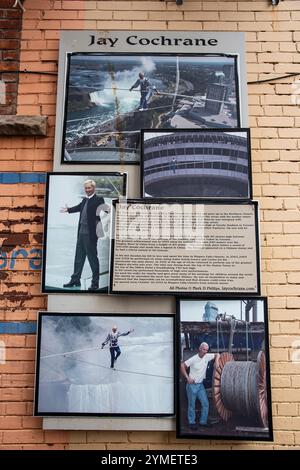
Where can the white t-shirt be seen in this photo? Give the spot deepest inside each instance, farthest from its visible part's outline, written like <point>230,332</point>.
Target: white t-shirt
<point>198,366</point>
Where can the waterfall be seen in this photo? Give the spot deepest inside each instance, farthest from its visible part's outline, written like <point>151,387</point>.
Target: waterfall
<point>120,397</point>
<point>97,98</point>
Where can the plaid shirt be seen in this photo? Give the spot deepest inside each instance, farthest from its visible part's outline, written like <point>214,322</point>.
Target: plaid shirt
<point>112,339</point>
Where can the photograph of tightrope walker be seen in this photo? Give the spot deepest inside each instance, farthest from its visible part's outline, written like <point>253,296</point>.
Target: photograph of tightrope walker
<point>91,364</point>
<point>109,98</point>
<point>223,369</point>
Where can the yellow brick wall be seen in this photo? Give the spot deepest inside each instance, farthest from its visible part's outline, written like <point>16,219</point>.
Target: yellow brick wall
<point>273,45</point>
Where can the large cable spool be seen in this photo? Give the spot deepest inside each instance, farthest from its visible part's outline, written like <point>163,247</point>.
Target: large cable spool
<point>239,388</point>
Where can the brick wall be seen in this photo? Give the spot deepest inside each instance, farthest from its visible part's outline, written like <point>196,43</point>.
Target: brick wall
<point>273,45</point>
<point>10,33</point>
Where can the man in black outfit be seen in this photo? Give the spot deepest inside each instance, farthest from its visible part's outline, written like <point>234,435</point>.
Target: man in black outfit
<point>86,246</point>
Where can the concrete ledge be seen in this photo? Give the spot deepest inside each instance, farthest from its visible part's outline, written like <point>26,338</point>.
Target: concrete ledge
<point>13,125</point>
<point>110,424</point>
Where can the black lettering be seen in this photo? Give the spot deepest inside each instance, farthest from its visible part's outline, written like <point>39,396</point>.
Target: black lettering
<point>177,41</point>
<point>112,41</point>
<point>155,41</point>
<point>129,40</point>
<point>165,41</point>
<point>159,41</point>
<point>101,42</point>
<point>200,42</point>
<point>92,40</point>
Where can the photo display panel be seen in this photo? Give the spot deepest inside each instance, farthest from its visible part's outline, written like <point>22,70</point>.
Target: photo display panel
<point>113,84</point>
<point>202,163</point>
<point>105,365</point>
<point>223,369</point>
<point>77,230</point>
<point>111,97</point>
<point>187,246</point>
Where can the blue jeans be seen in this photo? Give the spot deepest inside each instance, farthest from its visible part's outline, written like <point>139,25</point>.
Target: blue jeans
<point>143,100</point>
<point>114,354</point>
<point>197,391</point>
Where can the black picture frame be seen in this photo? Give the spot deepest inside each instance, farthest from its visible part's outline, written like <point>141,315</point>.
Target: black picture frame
<point>190,163</point>
<point>134,289</point>
<point>117,126</point>
<point>225,379</point>
<point>58,260</point>
<point>62,385</point>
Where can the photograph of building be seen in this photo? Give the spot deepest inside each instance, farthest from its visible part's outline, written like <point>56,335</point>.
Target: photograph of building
<point>196,163</point>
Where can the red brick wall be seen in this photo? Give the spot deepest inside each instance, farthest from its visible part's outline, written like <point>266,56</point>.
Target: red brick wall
<point>10,33</point>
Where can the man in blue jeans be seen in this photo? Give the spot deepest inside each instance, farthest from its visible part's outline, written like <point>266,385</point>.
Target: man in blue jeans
<point>146,89</point>
<point>197,366</point>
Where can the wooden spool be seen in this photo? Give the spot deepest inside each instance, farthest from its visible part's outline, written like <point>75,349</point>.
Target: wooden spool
<point>247,395</point>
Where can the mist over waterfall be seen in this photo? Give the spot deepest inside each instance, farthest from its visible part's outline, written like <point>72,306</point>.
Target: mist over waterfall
<point>115,87</point>
<point>120,397</point>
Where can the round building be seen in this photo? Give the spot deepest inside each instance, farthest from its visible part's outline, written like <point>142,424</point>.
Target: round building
<point>196,164</point>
